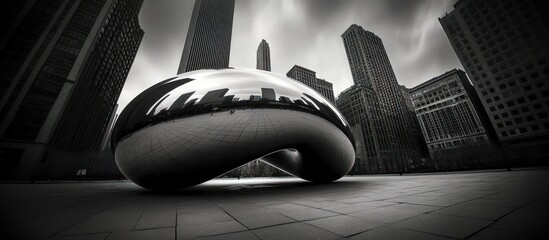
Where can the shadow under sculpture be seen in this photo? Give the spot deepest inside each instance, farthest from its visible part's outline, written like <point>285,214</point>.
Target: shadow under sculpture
<point>194,127</point>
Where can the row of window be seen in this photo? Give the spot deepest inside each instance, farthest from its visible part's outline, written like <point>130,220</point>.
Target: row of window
<point>524,130</point>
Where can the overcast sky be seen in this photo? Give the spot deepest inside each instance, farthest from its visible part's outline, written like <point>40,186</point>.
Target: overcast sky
<point>302,32</point>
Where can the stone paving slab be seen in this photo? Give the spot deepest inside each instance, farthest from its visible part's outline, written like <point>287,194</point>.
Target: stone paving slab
<point>458,205</point>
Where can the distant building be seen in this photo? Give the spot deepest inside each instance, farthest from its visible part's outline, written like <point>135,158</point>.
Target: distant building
<point>263,56</point>
<point>454,124</point>
<point>208,41</point>
<point>326,89</point>
<point>371,69</point>
<point>63,65</point>
<point>308,77</point>
<point>503,48</point>
<point>303,75</point>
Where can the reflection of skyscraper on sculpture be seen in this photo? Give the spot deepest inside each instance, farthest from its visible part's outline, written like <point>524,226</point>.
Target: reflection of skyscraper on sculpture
<point>180,102</point>
<point>268,94</point>
<point>208,41</point>
<point>214,97</point>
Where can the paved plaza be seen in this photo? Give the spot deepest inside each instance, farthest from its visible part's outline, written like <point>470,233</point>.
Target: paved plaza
<point>460,205</point>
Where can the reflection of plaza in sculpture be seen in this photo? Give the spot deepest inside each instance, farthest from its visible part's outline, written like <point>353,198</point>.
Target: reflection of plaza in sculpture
<point>189,129</point>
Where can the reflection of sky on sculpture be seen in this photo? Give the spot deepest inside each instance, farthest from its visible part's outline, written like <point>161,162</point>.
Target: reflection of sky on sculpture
<point>238,83</point>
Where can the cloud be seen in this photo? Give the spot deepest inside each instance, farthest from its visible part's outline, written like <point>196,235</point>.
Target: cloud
<point>302,32</point>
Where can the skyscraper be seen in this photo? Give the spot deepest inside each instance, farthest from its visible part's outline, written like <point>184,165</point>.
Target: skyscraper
<point>308,77</point>
<point>370,68</point>
<point>63,65</point>
<point>208,41</point>
<point>263,56</point>
<point>503,48</point>
<point>456,128</point>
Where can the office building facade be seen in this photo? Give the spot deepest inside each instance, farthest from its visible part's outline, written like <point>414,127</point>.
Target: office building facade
<point>454,124</point>
<point>371,68</point>
<point>63,65</point>
<point>503,47</point>
<point>360,106</point>
<point>417,135</point>
<point>263,56</point>
<point>208,41</point>
<point>308,77</point>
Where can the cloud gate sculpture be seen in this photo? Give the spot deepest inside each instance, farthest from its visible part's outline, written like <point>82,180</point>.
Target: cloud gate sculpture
<point>194,127</point>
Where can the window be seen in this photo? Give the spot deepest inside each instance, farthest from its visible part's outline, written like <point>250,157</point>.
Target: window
<point>519,120</point>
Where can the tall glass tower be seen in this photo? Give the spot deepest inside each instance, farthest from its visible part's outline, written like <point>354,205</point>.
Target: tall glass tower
<point>208,41</point>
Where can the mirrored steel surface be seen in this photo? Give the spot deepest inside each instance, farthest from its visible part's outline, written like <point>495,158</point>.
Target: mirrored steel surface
<point>191,128</point>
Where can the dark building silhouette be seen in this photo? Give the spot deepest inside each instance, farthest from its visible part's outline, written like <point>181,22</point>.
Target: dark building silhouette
<point>208,41</point>
<point>456,128</point>
<point>308,77</point>
<point>371,69</point>
<point>503,48</point>
<point>63,65</point>
<point>214,97</point>
<point>263,56</point>
<point>180,101</point>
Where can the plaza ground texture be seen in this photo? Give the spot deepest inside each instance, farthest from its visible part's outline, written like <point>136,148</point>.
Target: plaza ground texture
<point>495,204</point>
